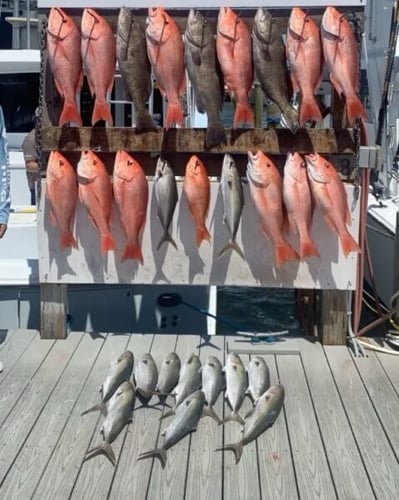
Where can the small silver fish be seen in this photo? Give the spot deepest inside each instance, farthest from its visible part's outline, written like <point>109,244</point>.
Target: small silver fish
<point>212,385</point>
<point>166,195</point>
<point>146,375</point>
<point>258,377</point>
<point>236,386</point>
<point>168,374</point>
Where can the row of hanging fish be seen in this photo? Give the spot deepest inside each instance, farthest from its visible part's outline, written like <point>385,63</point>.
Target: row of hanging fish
<point>196,389</point>
<point>232,59</point>
<point>277,200</point>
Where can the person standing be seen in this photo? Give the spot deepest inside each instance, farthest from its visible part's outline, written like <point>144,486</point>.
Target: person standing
<point>5,200</point>
<point>31,163</point>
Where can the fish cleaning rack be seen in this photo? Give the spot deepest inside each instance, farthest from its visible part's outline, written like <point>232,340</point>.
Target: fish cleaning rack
<point>333,274</point>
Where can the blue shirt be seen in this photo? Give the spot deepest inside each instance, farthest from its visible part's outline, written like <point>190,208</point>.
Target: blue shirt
<point>5,200</point>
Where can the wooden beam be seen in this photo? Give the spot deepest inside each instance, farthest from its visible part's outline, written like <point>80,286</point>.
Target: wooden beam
<point>53,310</point>
<point>333,317</point>
<point>306,310</point>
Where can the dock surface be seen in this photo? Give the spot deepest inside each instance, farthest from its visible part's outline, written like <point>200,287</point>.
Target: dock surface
<point>337,436</point>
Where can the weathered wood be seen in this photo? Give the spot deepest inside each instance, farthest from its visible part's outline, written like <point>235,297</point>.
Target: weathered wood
<point>306,310</point>
<point>12,347</point>
<point>310,462</point>
<point>333,318</point>
<point>391,367</point>
<point>22,418</point>
<point>32,460</point>
<point>366,427</point>
<point>64,465</point>
<point>133,475</point>
<point>53,310</point>
<point>96,474</point>
<point>192,140</point>
<point>345,461</point>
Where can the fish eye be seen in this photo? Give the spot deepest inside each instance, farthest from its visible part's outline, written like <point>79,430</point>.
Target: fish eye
<point>327,165</point>
<point>61,163</point>
<point>129,162</point>
<point>94,162</point>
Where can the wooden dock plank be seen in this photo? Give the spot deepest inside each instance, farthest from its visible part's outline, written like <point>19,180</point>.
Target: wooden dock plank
<point>349,475</point>
<point>311,467</point>
<point>391,367</point>
<point>96,475</point>
<point>61,472</point>
<point>132,475</point>
<point>205,467</point>
<point>241,480</point>
<point>277,476</point>
<point>12,347</point>
<point>32,460</point>
<point>22,419</point>
<point>378,457</point>
<point>169,483</point>
<point>382,395</point>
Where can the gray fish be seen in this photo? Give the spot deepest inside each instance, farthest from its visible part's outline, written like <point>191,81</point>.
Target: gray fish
<point>134,66</point>
<point>146,375</point>
<point>201,64</point>
<point>236,386</point>
<point>212,385</point>
<point>168,374</point>
<point>233,202</point>
<point>258,377</point>
<point>166,196</point>
<point>185,421</point>
<point>119,413</point>
<point>263,416</point>
<point>270,64</point>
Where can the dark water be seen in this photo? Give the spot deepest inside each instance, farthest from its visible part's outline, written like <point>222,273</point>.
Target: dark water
<point>257,309</point>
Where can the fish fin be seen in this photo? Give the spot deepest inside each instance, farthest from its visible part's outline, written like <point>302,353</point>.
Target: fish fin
<point>231,245</point>
<point>168,414</point>
<point>291,118</point>
<point>67,240</point>
<point>159,453</point>
<point>236,448</point>
<point>166,238</point>
<point>202,234</point>
<point>101,111</point>
<point>210,412</point>
<point>243,114</point>
<point>309,111</point>
<point>215,135</point>
<point>144,121</point>
<point>284,253</point>
<point>249,412</point>
<point>349,244</point>
<point>98,407</point>
<point>354,109</point>
<point>233,417</point>
<point>107,243</point>
<point>308,248</point>
<point>174,115</point>
<point>132,251</point>
<point>104,448</point>
<point>70,113</point>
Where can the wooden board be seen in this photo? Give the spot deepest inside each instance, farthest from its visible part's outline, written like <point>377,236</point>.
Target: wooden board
<point>60,475</point>
<point>13,345</point>
<point>36,452</point>
<point>370,436</point>
<point>189,265</point>
<point>22,418</point>
<point>131,474</point>
<point>345,461</point>
<point>308,452</point>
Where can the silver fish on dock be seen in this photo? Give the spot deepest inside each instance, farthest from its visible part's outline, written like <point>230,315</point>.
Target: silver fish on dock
<point>119,413</point>
<point>258,378</point>
<point>168,374</point>
<point>166,197</point>
<point>185,421</point>
<point>263,416</point>
<point>236,386</point>
<point>213,383</point>
<point>146,375</point>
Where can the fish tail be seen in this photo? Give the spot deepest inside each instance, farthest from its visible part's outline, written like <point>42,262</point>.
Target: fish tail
<point>243,114</point>
<point>103,448</point>
<point>166,238</point>
<point>159,453</point>
<point>67,240</point>
<point>309,111</point>
<point>107,243</point>
<point>144,121</point>
<point>132,251</point>
<point>202,234</point>
<point>215,135</point>
<point>208,411</point>
<point>101,111</point>
<point>308,248</point>
<point>174,115</point>
<point>236,448</point>
<point>233,417</point>
<point>231,245</point>
<point>98,407</point>
<point>284,253</point>
<point>354,109</point>
<point>70,113</point>
<point>291,118</point>
<point>349,244</point>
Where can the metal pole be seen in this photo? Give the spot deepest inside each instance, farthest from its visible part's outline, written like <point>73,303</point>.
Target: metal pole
<point>28,23</point>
